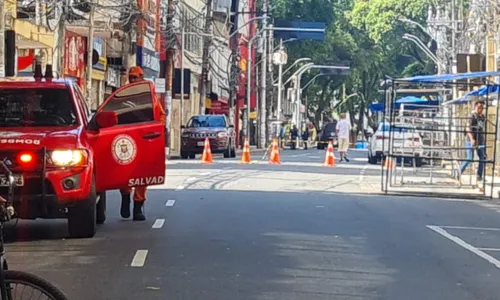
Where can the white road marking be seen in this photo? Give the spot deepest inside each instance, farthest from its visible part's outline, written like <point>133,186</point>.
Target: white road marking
<point>139,258</point>
<point>471,228</point>
<point>489,249</point>
<point>190,179</point>
<point>205,173</point>
<point>465,245</point>
<point>320,206</point>
<point>170,203</point>
<point>158,223</point>
<point>362,173</point>
<point>358,159</point>
<point>180,187</point>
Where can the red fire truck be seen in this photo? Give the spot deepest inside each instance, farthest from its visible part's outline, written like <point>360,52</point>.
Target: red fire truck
<point>65,158</point>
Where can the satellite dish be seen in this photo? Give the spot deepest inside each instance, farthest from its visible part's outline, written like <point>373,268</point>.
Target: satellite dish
<point>95,57</point>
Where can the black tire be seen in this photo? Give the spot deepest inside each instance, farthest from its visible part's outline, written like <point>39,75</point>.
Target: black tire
<point>82,217</point>
<point>101,209</point>
<point>227,152</point>
<point>35,282</point>
<point>372,159</point>
<point>233,151</point>
<point>192,156</point>
<point>184,155</point>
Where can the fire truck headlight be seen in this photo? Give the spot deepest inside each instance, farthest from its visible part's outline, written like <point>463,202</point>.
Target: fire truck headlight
<point>66,158</point>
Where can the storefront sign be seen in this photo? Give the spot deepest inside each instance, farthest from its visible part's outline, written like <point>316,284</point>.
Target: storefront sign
<point>99,46</point>
<point>113,77</point>
<point>74,55</point>
<point>151,60</point>
<point>160,85</point>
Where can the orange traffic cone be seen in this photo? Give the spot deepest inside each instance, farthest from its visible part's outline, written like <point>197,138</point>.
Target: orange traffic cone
<point>206,158</point>
<point>388,163</point>
<point>275,154</point>
<point>245,156</point>
<point>330,156</point>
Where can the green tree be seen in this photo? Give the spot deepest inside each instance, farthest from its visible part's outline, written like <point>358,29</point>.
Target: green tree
<point>368,34</point>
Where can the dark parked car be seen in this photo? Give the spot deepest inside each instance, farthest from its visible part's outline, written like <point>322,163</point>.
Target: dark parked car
<point>327,134</point>
<point>216,127</point>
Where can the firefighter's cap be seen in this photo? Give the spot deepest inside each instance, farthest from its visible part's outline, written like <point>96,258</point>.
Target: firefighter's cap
<point>136,71</point>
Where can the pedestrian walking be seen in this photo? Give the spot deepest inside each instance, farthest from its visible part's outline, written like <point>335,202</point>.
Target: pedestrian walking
<point>475,139</point>
<point>294,135</point>
<point>305,136</point>
<point>343,129</point>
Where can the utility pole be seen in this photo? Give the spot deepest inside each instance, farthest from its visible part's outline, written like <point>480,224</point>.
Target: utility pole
<point>90,51</point>
<point>169,71</point>
<point>183,41</point>
<point>263,79</point>
<point>2,38</point>
<point>280,87</point>
<point>61,43</point>
<point>207,42</point>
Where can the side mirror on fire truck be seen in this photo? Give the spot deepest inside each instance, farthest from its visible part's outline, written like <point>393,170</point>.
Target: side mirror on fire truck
<point>106,119</point>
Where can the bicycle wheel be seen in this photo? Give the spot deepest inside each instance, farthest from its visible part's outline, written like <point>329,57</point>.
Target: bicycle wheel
<point>25,286</point>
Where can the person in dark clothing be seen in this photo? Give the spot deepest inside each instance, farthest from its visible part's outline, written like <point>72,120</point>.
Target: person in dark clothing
<point>475,139</point>
<point>305,136</point>
<point>294,133</point>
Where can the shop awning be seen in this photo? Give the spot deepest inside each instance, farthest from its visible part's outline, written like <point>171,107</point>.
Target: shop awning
<point>23,43</point>
<point>31,36</point>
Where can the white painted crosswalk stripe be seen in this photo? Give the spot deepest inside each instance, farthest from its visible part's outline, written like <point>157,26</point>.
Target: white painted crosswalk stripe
<point>139,258</point>
<point>158,223</point>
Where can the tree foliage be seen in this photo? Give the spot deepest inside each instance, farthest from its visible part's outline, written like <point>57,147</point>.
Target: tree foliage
<point>365,33</point>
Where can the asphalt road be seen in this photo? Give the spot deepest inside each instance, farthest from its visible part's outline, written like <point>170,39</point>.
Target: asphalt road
<point>298,230</point>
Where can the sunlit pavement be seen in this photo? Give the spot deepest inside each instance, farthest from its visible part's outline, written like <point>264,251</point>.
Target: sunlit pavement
<point>298,230</point>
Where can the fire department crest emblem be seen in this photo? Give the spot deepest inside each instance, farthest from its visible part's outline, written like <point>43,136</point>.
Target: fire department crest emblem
<point>124,149</point>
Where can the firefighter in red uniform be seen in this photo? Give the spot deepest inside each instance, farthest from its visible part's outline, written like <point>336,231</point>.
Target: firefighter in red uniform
<point>135,74</point>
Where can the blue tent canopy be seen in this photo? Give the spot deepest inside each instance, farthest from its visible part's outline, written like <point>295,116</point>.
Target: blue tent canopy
<point>491,90</point>
<point>449,77</point>
<point>407,101</point>
<point>483,91</point>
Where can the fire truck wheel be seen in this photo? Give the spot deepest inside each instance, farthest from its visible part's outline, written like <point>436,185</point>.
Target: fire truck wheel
<point>82,217</point>
<point>101,209</point>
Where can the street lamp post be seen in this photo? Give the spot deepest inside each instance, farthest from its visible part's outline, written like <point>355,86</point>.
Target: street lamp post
<point>426,50</point>
<point>298,75</point>
<point>249,81</point>
<point>249,65</point>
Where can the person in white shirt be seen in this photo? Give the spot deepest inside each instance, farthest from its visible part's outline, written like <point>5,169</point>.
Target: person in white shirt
<point>343,130</point>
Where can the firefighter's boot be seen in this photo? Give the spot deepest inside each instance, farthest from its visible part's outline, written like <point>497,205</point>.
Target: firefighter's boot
<point>125,208</point>
<point>138,214</point>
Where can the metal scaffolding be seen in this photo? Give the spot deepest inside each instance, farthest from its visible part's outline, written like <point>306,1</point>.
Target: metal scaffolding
<point>430,138</point>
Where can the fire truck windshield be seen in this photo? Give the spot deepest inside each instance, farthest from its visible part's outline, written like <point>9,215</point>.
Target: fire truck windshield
<point>37,107</point>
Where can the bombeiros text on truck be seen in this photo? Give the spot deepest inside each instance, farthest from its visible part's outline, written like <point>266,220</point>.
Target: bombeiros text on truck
<point>64,158</point>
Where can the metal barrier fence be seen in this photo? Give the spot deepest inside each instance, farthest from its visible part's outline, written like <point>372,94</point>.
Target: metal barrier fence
<point>426,147</point>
